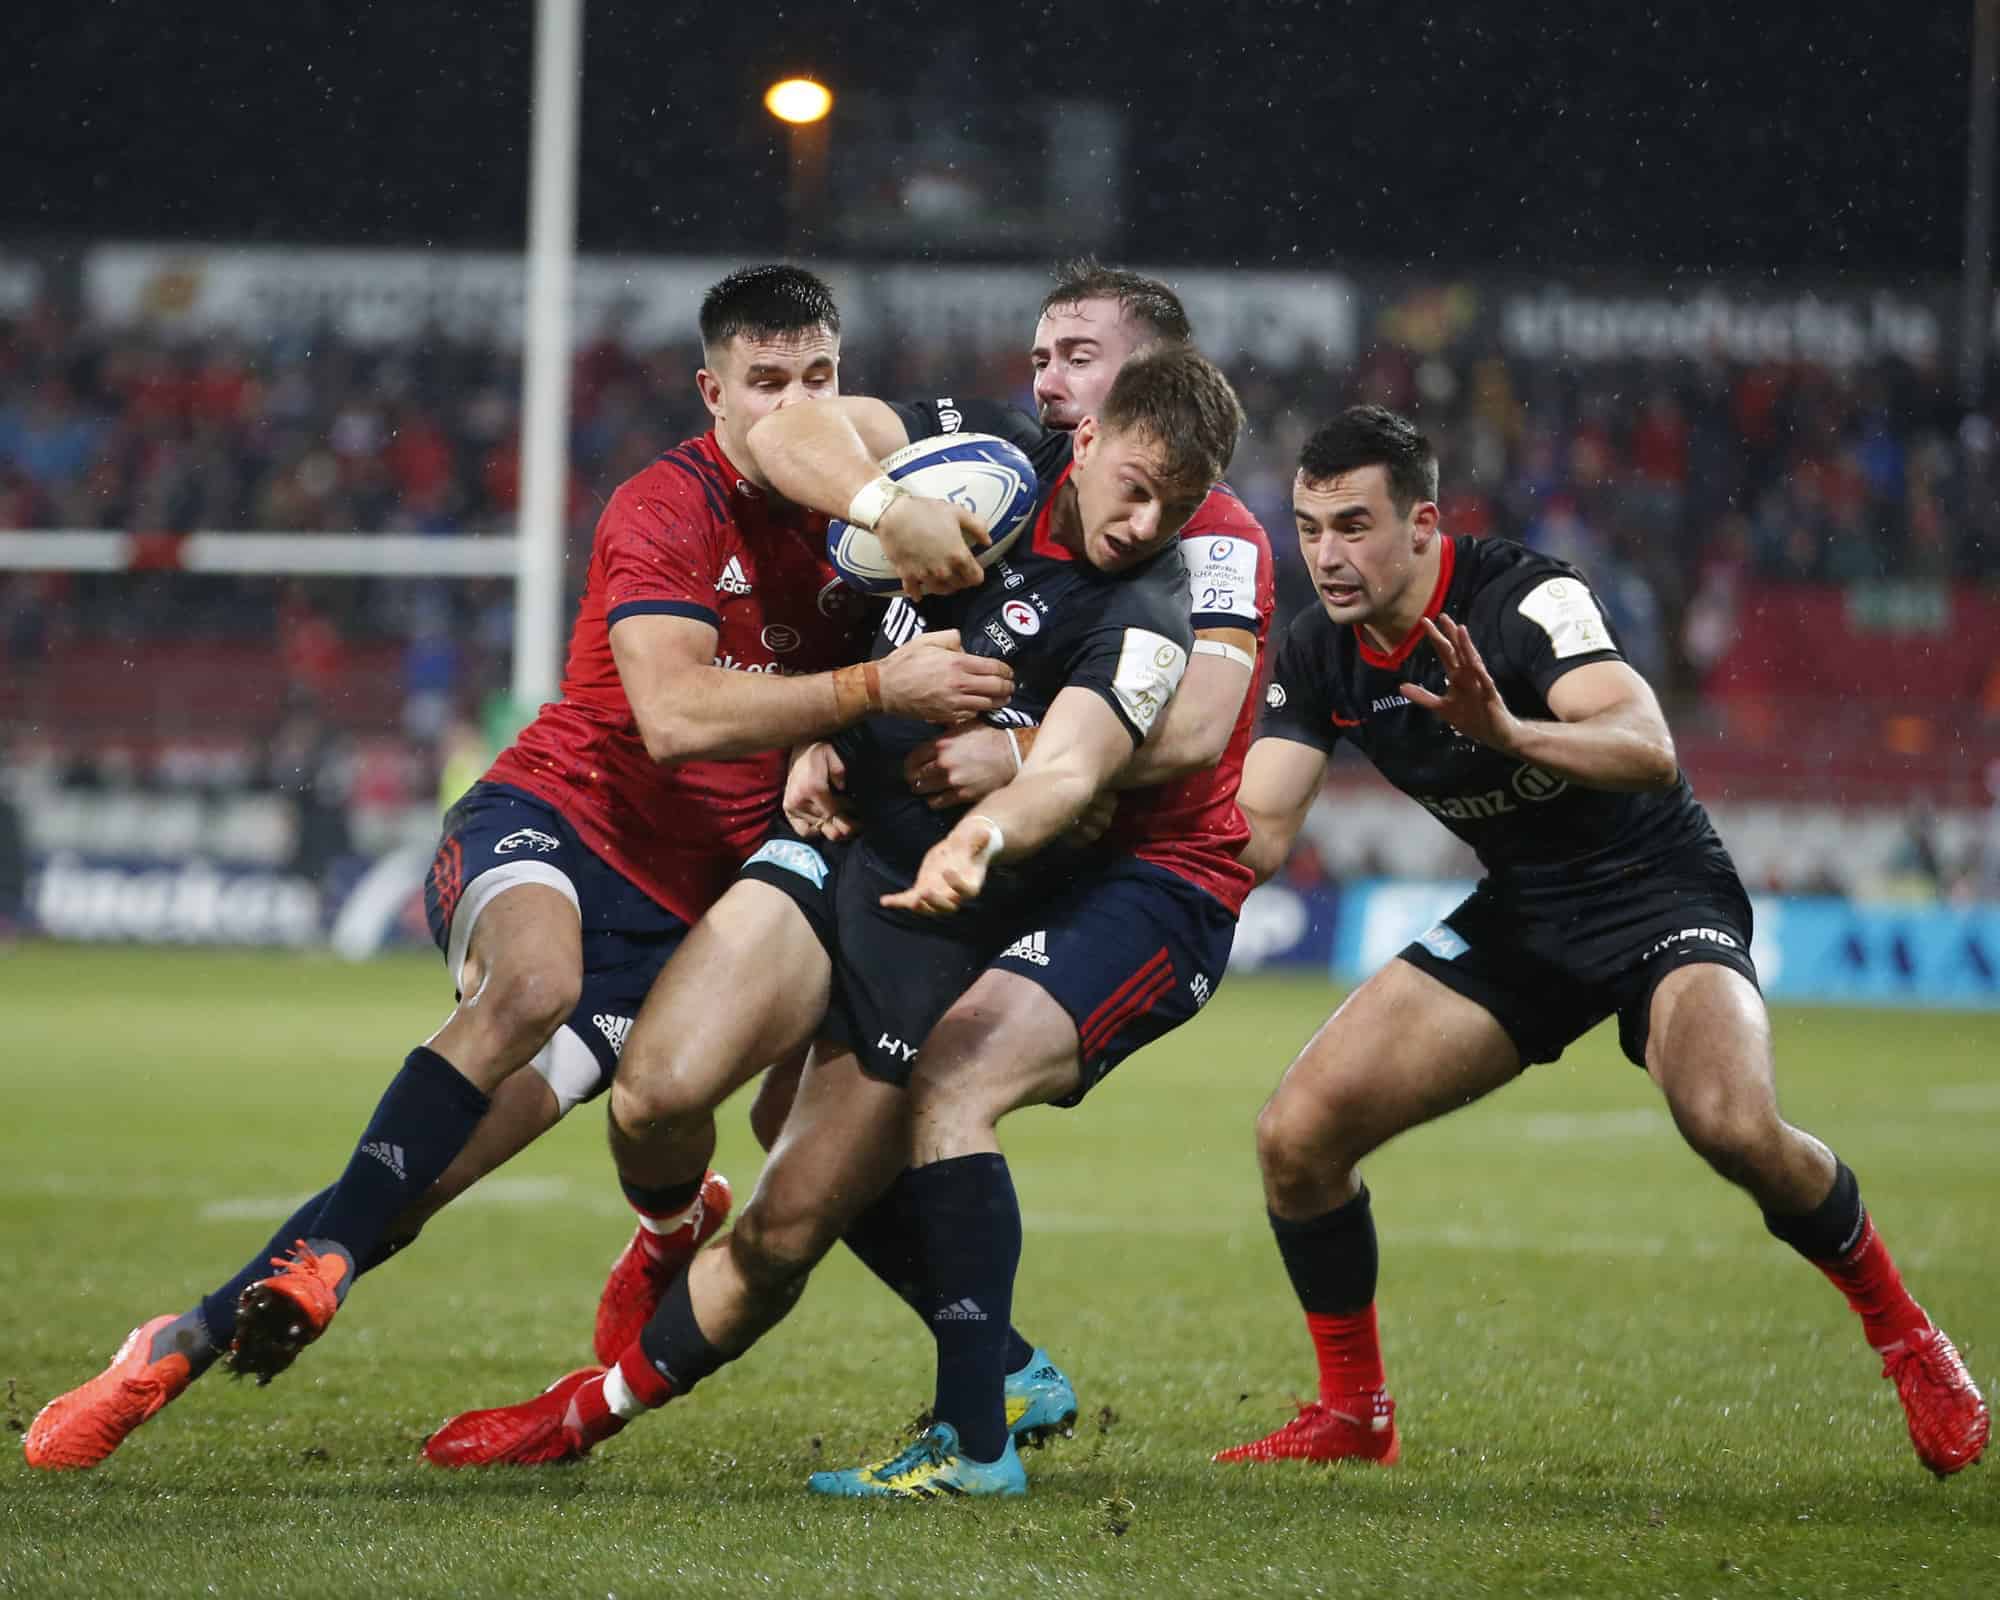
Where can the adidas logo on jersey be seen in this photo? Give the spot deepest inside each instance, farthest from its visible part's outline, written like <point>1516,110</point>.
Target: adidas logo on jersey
<point>390,1155</point>
<point>959,1311</point>
<point>614,1030</point>
<point>732,580</point>
<point>1030,947</point>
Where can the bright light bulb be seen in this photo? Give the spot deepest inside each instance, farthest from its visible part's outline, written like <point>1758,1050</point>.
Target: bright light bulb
<point>798,100</point>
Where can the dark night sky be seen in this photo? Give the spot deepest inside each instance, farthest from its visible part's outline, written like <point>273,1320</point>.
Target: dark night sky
<point>1828,136</point>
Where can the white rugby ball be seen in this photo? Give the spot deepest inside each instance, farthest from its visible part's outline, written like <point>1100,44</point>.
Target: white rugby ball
<point>987,475</point>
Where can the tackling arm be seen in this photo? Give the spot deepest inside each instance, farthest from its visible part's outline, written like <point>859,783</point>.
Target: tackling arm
<point>1202,714</point>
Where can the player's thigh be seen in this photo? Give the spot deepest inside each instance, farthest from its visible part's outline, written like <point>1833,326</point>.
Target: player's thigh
<point>776,1091</point>
<point>1401,1050</point>
<point>748,986</point>
<point>1708,1047</point>
<point>846,1139</point>
<point>1004,1044</point>
<point>520,978</point>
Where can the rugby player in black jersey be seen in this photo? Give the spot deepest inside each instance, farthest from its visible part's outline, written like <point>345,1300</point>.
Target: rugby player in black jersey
<point>1090,610</point>
<point>1482,680</point>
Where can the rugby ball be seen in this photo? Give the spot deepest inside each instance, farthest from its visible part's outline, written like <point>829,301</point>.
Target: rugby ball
<point>987,475</point>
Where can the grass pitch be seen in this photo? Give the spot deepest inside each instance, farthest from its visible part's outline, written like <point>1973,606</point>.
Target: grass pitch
<point>1611,1380</point>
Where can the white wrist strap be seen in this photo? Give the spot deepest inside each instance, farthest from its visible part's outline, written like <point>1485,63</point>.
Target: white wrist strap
<point>871,500</point>
<point>1014,744</point>
<point>1228,652</point>
<point>996,841</point>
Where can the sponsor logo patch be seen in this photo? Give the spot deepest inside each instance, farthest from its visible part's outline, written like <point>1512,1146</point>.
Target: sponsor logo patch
<point>1443,941</point>
<point>1022,618</point>
<point>528,839</point>
<point>793,856</point>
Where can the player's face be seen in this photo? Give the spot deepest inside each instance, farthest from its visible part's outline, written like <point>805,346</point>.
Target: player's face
<point>1363,554</point>
<point>755,374</point>
<point>1078,350</point>
<point>1128,506</point>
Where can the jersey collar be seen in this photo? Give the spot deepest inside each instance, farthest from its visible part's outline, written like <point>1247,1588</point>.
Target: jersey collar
<point>1044,543</point>
<point>1447,560</point>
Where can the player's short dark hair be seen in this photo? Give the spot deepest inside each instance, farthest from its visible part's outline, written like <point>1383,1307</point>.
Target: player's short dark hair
<point>1141,298</point>
<point>1180,398</point>
<point>773,298</point>
<point>1374,436</point>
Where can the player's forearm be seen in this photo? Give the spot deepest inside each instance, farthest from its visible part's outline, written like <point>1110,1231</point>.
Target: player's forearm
<point>815,456</point>
<point>1191,738</point>
<point>713,714</point>
<point>1037,806</point>
<point>1627,749</point>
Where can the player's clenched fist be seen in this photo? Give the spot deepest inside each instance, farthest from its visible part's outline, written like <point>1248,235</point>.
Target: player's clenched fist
<point>953,870</point>
<point>930,544</point>
<point>932,679</point>
<point>966,764</point>
<point>815,799</point>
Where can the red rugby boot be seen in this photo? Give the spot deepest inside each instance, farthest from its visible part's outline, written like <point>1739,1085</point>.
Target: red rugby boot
<point>1357,1427</point>
<point>649,1263</point>
<point>1949,1422</point>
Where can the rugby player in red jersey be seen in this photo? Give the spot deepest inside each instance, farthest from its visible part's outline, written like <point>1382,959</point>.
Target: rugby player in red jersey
<point>709,640</point>
<point>1482,680</point>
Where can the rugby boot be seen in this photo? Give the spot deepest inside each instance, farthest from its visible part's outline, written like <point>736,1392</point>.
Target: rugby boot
<point>1357,1427</point>
<point>278,1316</point>
<point>560,1424</point>
<point>1041,1402</point>
<point>82,1427</point>
<point>649,1263</point>
<point>1949,1422</point>
<point>930,1467</point>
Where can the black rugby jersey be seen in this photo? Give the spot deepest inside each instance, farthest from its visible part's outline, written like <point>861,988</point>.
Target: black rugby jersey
<point>1055,619</point>
<point>1533,619</point>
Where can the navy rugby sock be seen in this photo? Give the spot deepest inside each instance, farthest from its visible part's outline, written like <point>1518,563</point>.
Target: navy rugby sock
<point>217,1310</point>
<point>970,1224</point>
<point>421,1123</point>
<point>884,1240</point>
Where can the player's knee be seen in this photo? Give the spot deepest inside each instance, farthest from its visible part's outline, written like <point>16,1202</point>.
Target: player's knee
<point>655,1103</point>
<point>1296,1146</point>
<point>526,1005</point>
<point>1736,1130</point>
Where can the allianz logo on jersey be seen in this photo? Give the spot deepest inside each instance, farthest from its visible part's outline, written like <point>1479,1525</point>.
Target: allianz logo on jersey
<point>1529,783</point>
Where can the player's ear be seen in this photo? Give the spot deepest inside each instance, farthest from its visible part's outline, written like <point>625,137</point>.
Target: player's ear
<point>1084,439</point>
<point>1423,525</point>
<point>711,392</point>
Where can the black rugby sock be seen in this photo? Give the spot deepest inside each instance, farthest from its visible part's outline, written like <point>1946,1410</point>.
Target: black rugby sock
<point>422,1122</point>
<point>1332,1258</point>
<point>884,1240</point>
<point>970,1225</point>
<point>674,1345</point>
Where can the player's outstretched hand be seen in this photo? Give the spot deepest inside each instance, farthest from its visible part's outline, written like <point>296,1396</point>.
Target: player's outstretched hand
<point>953,872</point>
<point>815,802</point>
<point>965,765</point>
<point>1470,702</point>
<point>930,544</point>
<point>932,679</point>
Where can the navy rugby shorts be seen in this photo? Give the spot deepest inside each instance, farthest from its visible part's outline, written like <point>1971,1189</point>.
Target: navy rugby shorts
<point>1552,962</point>
<point>497,836</point>
<point>1130,951</point>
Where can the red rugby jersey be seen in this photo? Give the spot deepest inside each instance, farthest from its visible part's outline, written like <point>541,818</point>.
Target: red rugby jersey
<point>687,537</point>
<point>1192,826</point>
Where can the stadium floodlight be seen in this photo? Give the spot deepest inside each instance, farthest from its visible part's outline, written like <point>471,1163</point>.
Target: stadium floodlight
<point>798,100</point>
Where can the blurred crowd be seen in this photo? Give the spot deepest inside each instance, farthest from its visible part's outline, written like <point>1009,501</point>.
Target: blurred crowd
<point>1661,480</point>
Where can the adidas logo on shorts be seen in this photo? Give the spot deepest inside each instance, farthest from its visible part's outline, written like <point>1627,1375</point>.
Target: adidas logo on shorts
<point>1030,947</point>
<point>732,580</point>
<point>614,1030</point>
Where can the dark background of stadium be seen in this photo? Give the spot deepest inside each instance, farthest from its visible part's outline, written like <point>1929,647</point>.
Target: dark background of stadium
<point>1829,137</point>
